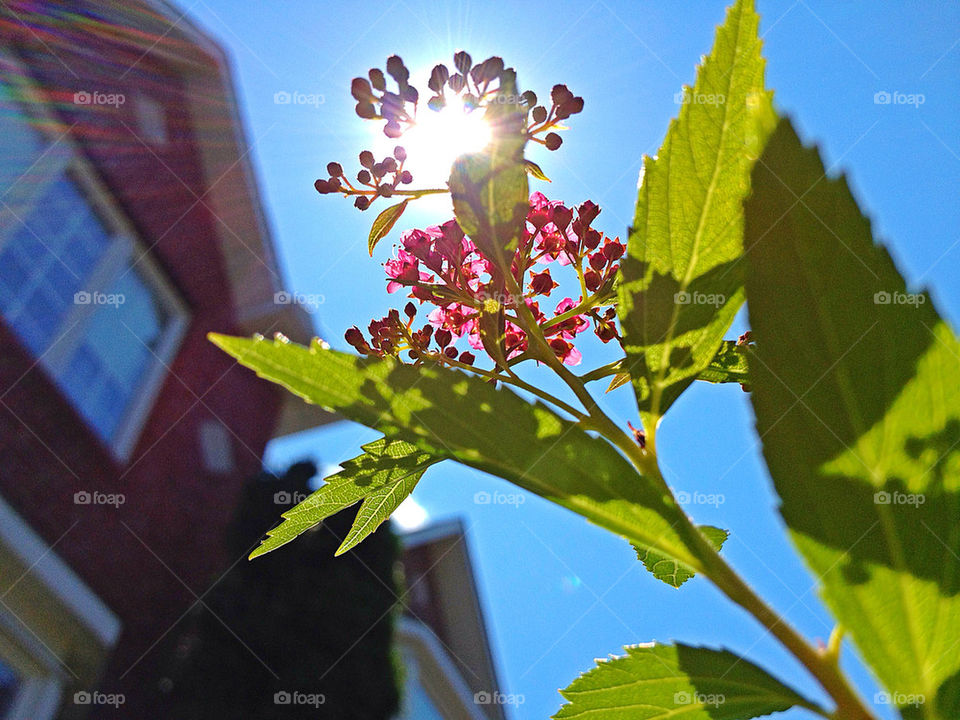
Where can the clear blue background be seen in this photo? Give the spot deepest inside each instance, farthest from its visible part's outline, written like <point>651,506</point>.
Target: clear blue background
<point>558,592</point>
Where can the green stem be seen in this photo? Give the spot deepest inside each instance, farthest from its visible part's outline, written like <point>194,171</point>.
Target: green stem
<point>512,379</point>
<point>726,579</point>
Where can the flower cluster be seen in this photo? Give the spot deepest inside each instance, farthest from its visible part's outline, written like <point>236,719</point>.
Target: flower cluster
<point>381,178</point>
<point>478,85</point>
<point>442,267</point>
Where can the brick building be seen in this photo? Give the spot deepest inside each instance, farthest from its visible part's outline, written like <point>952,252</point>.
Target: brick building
<point>130,226</point>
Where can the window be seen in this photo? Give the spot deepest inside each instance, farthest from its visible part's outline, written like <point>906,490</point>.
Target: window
<point>151,119</point>
<point>75,285</point>
<point>9,686</point>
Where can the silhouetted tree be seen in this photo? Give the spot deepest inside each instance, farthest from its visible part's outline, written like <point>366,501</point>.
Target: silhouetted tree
<point>297,633</point>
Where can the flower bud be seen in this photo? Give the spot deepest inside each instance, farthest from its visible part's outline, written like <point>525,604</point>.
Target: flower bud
<point>377,79</point>
<point>553,141</point>
<point>334,169</point>
<point>367,159</point>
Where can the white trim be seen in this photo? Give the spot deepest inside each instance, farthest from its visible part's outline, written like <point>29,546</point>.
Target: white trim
<point>415,632</point>
<point>62,582</point>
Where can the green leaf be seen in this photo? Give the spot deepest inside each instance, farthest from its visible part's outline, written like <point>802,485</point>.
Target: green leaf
<point>489,189</point>
<point>856,388</point>
<point>536,170</point>
<point>384,464</point>
<point>620,379</point>
<point>378,506</point>
<point>449,414</point>
<point>384,224</point>
<point>654,681</point>
<point>728,365</point>
<point>670,570</point>
<point>681,281</point>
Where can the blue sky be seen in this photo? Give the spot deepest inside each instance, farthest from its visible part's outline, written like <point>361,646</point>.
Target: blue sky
<point>557,591</point>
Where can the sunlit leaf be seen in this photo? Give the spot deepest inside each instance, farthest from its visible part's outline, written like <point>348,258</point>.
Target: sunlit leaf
<point>384,224</point>
<point>656,682</point>
<point>449,414</point>
<point>670,570</point>
<point>856,387</point>
<point>681,280</point>
<point>384,464</point>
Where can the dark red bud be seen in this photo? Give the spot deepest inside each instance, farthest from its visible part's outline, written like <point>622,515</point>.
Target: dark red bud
<point>363,177</point>
<point>592,280</point>
<point>467,358</point>
<point>360,89</point>
<point>553,141</point>
<point>377,79</point>
<point>367,159</point>
<point>334,169</point>
<point>539,114</point>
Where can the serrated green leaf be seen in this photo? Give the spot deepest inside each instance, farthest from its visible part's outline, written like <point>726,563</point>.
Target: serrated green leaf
<point>728,365</point>
<point>669,569</point>
<point>384,224</point>
<point>384,464</point>
<point>449,414</point>
<point>655,682</point>
<point>681,283</point>
<point>377,507</point>
<point>856,388</point>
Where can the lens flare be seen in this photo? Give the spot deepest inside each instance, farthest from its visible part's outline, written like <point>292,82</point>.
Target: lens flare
<point>437,140</point>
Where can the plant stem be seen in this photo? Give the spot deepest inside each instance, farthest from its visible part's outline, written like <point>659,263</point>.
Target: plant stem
<point>512,379</point>
<point>726,579</point>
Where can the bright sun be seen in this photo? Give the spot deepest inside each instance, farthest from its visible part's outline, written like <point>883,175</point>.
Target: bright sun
<point>436,141</point>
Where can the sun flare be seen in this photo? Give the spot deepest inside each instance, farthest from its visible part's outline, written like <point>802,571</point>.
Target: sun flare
<point>437,139</point>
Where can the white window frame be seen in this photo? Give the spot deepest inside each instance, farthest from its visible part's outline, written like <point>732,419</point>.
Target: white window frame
<point>41,675</point>
<point>63,156</point>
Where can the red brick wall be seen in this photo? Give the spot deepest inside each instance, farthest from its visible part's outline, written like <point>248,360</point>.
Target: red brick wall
<point>175,512</point>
